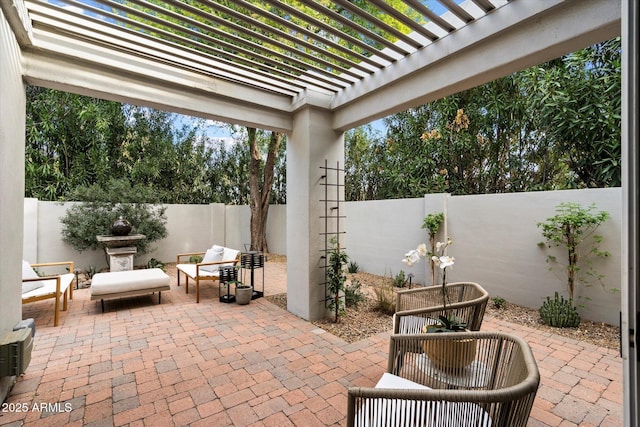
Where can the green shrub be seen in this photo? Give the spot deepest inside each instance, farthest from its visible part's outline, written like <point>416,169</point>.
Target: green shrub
<point>572,228</point>
<point>385,298</point>
<point>336,278</point>
<point>353,294</point>
<point>92,271</point>
<point>559,312</point>
<point>154,263</point>
<point>195,259</point>
<point>353,267</point>
<point>100,207</point>
<point>499,302</point>
<point>400,279</point>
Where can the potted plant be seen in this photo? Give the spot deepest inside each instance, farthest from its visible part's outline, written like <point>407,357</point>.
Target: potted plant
<point>244,292</point>
<point>449,354</point>
<point>572,227</point>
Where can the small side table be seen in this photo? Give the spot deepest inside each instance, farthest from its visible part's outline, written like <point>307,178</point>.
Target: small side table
<point>476,375</point>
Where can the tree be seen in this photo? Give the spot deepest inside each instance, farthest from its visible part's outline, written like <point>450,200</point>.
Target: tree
<point>75,141</point>
<point>553,126</point>
<point>579,101</point>
<point>572,228</point>
<point>260,189</point>
<point>70,141</point>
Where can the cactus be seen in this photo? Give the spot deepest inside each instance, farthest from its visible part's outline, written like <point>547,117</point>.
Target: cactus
<point>559,312</point>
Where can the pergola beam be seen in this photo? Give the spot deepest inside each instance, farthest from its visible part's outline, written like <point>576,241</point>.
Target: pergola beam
<point>70,65</point>
<point>497,45</point>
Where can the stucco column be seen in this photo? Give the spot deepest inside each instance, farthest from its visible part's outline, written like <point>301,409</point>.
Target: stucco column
<point>312,141</point>
<point>12,131</point>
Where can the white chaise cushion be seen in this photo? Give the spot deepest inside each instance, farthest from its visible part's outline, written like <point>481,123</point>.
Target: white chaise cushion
<point>121,282</point>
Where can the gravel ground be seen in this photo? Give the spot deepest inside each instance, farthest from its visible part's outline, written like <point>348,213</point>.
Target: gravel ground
<point>365,320</point>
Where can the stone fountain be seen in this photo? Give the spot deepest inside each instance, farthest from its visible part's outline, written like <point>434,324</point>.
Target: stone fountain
<point>119,246</point>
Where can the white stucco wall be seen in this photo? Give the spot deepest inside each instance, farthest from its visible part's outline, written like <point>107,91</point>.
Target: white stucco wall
<point>238,228</point>
<point>496,244</point>
<point>12,133</point>
<point>494,237</point>
<point>190,228</point>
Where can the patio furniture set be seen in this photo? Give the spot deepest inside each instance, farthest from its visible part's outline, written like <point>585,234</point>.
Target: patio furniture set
<point>37,286</point>
<point>496,387</point>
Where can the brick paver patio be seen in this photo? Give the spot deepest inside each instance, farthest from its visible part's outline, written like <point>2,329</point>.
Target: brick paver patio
<point>214,364</point>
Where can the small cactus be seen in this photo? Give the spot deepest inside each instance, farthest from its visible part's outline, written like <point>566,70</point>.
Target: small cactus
<point>559,312</point>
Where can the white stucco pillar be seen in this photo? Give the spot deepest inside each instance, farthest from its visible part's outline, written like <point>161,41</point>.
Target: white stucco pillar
<point>12,134</point>
<point>312,141</point>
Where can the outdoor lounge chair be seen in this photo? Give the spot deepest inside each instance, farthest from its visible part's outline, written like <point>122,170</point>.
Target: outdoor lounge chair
<point>496,390</point>
<point>208,268</point>
<point>37,288</point>
<point>418,307</point>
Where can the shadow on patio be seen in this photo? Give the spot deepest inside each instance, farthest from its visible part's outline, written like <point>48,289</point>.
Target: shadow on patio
<point>215,364</point>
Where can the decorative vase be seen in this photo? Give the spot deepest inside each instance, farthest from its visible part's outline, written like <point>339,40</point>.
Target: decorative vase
<point>450,354</point>
<point>244,294</point>
<point>120,227</point>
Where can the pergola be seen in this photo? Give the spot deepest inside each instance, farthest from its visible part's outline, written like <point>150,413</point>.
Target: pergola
<point>303,69</point>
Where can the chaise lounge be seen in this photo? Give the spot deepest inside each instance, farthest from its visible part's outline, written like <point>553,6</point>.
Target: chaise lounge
<point>118,284</point>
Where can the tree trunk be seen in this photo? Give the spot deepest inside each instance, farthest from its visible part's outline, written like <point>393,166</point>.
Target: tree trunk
<point>260,195</point>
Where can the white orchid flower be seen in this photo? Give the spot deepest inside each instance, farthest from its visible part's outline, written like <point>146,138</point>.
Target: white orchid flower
<point>422,250</point>
<point>446,261</point>
<point>411,257</point>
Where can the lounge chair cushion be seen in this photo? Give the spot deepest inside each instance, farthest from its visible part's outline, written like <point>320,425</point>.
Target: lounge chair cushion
<point>215,254</point>
<point>229,255</point>
<point>29,273</point>
<point>49,286</point>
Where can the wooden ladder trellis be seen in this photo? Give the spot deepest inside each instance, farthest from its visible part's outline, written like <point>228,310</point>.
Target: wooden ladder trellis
<point>332,178</point>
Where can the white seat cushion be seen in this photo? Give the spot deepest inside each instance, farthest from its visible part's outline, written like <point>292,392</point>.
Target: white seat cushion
<point>49,286</point>
<point>393,381</point>
<point>190,270</point>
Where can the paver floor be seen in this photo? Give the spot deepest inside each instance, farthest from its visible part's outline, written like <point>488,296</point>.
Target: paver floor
<point>212,364</point>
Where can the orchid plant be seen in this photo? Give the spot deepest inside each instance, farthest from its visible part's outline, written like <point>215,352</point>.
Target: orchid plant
<point>438,258</point>
<point>443,261</point>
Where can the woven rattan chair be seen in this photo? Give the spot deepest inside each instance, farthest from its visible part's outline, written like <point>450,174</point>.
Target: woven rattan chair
<point>497,389</point>
<point>419,306</point>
